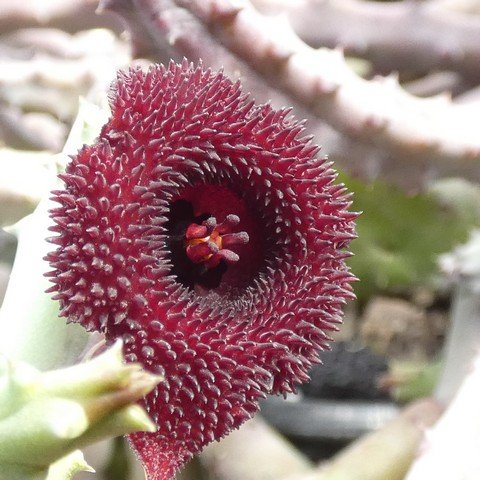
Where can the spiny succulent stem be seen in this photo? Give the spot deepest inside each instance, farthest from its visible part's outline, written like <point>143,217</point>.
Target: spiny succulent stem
<point>302,81</point>
<point>374,119</point>
<point>386,453</point>
<point>34,333</point>
<point>463,339</point>
<point>255,451</point>
<point>459,383</point>
<point>45,416</point>
<point>394,36</point>
<point>449,452</point>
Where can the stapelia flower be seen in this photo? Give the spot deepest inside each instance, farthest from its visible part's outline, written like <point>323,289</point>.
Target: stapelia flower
<point>204,231</point>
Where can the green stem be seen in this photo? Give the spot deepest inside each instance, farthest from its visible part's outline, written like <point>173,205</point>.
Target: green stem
<point>30,328</point>
<point>386,453</point>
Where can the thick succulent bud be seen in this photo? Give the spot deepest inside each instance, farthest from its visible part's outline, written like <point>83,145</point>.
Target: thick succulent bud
<point>47,416</point>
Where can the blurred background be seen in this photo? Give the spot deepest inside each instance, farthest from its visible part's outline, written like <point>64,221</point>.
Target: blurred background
<point>396,105</point>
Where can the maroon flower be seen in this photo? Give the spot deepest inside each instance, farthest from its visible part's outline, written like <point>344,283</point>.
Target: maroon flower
<point>204,231</point>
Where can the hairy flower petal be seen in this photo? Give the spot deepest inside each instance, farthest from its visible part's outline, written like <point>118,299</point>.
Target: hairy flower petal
<point>186,150</point>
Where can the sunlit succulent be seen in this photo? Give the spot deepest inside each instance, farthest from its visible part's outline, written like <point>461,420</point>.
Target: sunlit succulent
<point>204,231</point>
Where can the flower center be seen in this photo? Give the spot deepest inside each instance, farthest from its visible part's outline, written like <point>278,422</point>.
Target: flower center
<point>209,243</point>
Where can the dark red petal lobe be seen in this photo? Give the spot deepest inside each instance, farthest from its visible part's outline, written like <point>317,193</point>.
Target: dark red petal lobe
<point>184,134</point>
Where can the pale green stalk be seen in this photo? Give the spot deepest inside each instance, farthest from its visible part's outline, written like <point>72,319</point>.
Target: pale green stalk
<point>46,415</point>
